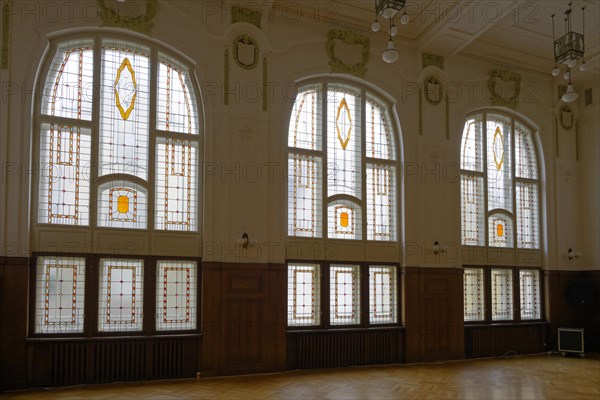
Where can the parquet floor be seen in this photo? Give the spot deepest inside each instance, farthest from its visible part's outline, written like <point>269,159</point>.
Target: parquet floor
<point>527,377</point>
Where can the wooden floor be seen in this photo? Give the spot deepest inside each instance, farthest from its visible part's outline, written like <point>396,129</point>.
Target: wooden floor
<point>527,377</point>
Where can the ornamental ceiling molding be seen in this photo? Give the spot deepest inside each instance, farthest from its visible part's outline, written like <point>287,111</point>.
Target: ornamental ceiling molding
<point>241,14</point>
<point>506,76</point>
<point>352,39</point>
<point>141,23</point>
<point>308,16</point>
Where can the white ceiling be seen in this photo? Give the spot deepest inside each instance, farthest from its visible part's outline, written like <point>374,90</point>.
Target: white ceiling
<point>512,33</point>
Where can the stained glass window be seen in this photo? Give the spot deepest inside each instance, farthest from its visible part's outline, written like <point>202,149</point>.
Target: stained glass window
<point>60,293</point>
<point>344,294</point>
<point>121,295</point>
<point>529,286</point>
<point>502,294</point>
<point>304,298</point>
<point>499,183</point>
<point>351,128</point>
<point>132,78</point>
<point>176,293</point>
<point>382,294</point>
<point>474,300</point>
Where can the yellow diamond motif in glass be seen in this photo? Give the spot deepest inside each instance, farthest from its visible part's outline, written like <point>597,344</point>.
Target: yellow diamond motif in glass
<point>343,123</point>
<point>498,148</point>
<point>123,204</point>
<point>344,220</point>
<point>125,88</point>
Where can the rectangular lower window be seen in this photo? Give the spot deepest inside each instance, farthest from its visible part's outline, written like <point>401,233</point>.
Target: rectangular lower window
<point>344,294</point>
<point>382,294</point>
<point>60,292</point>
<point>121,295</point>
<point>529,285</point>
<point>176,292</point>
<point>474,300</point>
<point>304,300</point>
<point>502,294</point>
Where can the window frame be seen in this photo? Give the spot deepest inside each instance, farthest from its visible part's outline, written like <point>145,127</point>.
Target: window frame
<point>515,120</point>
<point>365,93</point>
<point>516,296</point>
<point>363,296</point>
<point>157,52</point>
<point>91,311</point>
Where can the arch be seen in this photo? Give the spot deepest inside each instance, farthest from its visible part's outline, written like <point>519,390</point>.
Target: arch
<point>344,151</point>
<point>502,175</point>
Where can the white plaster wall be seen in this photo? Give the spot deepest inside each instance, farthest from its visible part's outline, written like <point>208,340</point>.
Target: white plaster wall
<point>242,140</point>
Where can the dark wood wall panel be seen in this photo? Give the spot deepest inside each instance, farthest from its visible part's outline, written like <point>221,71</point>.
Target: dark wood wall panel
<point>498,340</point>
<point>332,349</point>
<point>14,283</point>
<point>433,314</point>
<point>574,302</point>
<point>244,318</point>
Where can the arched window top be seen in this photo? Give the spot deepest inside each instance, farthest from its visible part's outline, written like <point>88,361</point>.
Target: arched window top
<point>353,194</point>
<point>499,182</point>
<point>118,120</point>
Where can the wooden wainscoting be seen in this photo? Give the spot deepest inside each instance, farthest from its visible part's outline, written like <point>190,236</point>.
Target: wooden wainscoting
<point>499,339</point>
<point>14,281</point>
<point>60,362</point>
<point>344,348</point>
<point>433,313</point>
<point>244,318</point>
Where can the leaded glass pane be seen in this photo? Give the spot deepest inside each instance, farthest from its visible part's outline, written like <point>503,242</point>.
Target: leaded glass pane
<point>60,294</point>
<point>500,231</point>
<point>474,300</point>
<point>344,220</point>
<point>124,110</point>
<point>529,285</point>
<point>65,156</point>
<point>176,185</point>
<point>381,202</point>
<point>472,210</point>
<point>121,295</point>
<point>525,160</point>
<point>527,215</point>
<point>344,292</point>
<point>379,142</point>
<point>304,294</point>
<point>176,294</point>
<point>343,143</point>
<point>68,91</point>
<point>502,294</point>
<point>175,108</point>
<point>382,294</point>
<point>499,168</point>
<point>304,129</point>
<point>122,205</point>
<point>471,156</point>
<point>304,196</point>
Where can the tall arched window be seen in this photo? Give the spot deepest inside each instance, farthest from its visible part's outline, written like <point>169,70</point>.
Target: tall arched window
<point>119,138</point>
<point>499,183</point>
<point>342,164</point>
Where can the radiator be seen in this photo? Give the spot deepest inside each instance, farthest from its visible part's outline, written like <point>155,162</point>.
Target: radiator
<point>499,340</point>
<point>342,349</point>
<point>112,360</point>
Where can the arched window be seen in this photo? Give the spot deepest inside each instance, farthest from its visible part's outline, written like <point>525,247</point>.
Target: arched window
<point>499,183</point>
<point>342,164</point>
<point>119,138</point>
